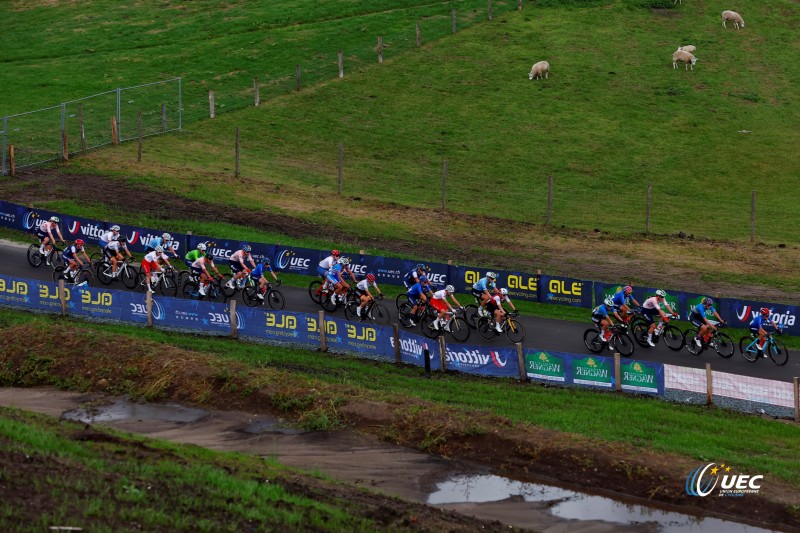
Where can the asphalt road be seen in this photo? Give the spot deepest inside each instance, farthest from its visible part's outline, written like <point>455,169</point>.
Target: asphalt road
<point>541,333</point>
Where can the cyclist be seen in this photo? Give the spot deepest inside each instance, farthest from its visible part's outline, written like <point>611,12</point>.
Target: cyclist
<point>46,237</point>
<point>259,273</point>
<point>72,260</point>
<point>601,316</point>
<point>495,307</point>
<point>113,253</point>
<point>482,290</point>
<point>165,242</point>
<point>651,308</point>
<point>106,237</point>
<point>327,263</point>
<point>440,303</point>
<point>238,268</point>
<point>418,294</point>
<point>200,268</point>
<point>362,289</point>
<point>699,320</point>
<point>412,278</point>
<point>151,262</point>
<point>195,254</point>
<point>757,328</point>
<point>622,300</point>
<point>335,278</point>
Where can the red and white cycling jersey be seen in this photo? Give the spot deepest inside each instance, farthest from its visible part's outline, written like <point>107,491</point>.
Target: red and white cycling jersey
<point>239,256</point>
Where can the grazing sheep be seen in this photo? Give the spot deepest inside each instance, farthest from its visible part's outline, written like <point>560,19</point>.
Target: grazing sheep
<point>738,22</point>
<point>688,48</point>
<point>684,57</point>
<point>539,69</point>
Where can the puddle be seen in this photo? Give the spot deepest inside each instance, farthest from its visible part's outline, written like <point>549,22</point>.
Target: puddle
<point>270,426</point>
<point>573,505</point>
<point>125,410</point>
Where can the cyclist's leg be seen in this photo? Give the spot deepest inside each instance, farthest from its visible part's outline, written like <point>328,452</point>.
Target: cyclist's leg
<point>762,338</point>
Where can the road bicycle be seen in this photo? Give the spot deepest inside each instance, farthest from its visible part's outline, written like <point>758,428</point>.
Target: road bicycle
<point>408,319</point>
<point>125,271</point>
<point>513,329</point>
<point>82,276</point>
<point>454,324</point>
<point>620,341</point>
<point>162,281</point>
<point>472,312</point>
<point>720,342</point>
<point>272,296</point>
<point>191,289</point>
<point>672,335</point>
<point>331,304</point>
<point>374,311</point>
<point>36,258</point>
<point>774,348</point>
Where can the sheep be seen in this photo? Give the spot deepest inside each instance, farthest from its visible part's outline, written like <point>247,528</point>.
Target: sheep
<point>688,48</point>
<point>738,22</point>
<point>684,57</point>
<point>539,69</point>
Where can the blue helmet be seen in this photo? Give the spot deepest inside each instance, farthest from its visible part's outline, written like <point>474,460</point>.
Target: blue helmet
<point>266,262</point>
<point>246,248</point>
<point>423,279</point>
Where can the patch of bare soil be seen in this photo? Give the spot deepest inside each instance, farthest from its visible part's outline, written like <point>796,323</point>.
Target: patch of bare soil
<point>680,262</point>
<point>91,361</point>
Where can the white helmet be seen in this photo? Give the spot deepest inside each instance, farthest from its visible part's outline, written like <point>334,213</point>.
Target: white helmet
<point>55,219</point>
<point>450,289</point>
<point>166,237</point>
<point>344,261</point>
<point>504,291</point>
<point>660,292</point>
<point>491,274</point>
<point>609,301</point>
<point>114,228</point>
<point>201,247</point>
<point>159,250</point>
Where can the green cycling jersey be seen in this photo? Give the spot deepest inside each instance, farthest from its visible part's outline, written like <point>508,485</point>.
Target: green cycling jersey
<point>194,255</point>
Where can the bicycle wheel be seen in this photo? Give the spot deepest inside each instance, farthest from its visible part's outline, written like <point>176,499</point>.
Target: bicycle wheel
<point>275,299</point>
<point>459,329</point>
<point>103,272</point>
<point>327,302</point>
<point>249,296</point>
<point>315,290</point>
<point>56,259</point>
<point>404,315</point>
<point>471,315</point>
<point>58,273</point>
<point>350,311</point>
<point>128,276</point>
<point>691,346</point>
<point>225,289</point>
<point>426,325</point>
<point>401,299</point>
<point>778,352</point>
<point>592,340</point>
<point>379,314</point>
<point>673,337</point>
<point>748,349</point>
<point>623,343</point>
<point>639,332</point>
<point>515,331</point>
<point>214,292</point>
<point>34,257</point>
<point>723,345</point>
<point>190,289</point>
<point>84,277</point>
<point>485,328</point>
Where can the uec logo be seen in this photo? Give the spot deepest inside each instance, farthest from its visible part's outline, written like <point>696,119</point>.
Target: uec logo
<point>31,220</point>
<point>698,484</point>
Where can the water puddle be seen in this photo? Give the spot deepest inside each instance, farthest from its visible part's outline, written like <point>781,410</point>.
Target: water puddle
<point>573,505</point>
<point>270,426</point>
<point>125,410</point>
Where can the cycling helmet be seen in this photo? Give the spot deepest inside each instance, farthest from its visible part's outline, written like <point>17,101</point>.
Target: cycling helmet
<point>246,248</point>
<point>114,228</point>
<point>159,250</point>
<point>765,311</point>
<point>55,219</point>
<point>491,274</point>
<point>344,261</point>
<point>708,301</point>
<point>450,289</point>
<point>201,247</point>
<point>166,237</point>
<point>335,253</point>
<point>609,301</point>
<point>423,279</point>
<point>504,291</point>
<point>266,261</point>
<point>79,242</point>
<point>627,289</point>
<point>420,266</point>
<point>661,292</point>
<point>122,238</point>
<point>371,277</point>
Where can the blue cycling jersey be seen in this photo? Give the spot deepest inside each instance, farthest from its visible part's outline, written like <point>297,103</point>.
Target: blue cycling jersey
<point>258,271</point>
<point>483,284</point>
<point>416,290</point>
<point>603,310</point>
<point>701,310</point>
<point>412,277</point>
<point>620,299</point>
<point>759,322</point>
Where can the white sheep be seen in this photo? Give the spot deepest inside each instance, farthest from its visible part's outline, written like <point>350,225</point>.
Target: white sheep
<point>738,22</point>
<point>688,48</point>
<point>539,69</point>
<point>684,57</point>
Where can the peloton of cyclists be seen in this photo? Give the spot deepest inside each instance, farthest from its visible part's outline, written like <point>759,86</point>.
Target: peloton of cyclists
<point>699,319</point>
<point>72,258</point>
<point>46,238</point>
<point>362,289</point>
<point>237,266</point>
<point>601,315</point>
<point>757,328</point>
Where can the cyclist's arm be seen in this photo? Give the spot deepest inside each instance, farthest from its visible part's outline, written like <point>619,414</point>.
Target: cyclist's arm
<point>60,236</point>
<point>514,307</point>
<point>635,302</point>
<point>273,273</point>
<point>253,263</point>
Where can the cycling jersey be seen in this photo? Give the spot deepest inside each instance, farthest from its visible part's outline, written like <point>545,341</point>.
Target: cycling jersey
<point>333,273</point>
<point>759,322</point>
<point>194,255</point>
<point>439,301</point>
<point>411,278</point>
<point>620,299</point>
<point>483,284</point>
<point>155,241</point>
<point>199,264</point>
<point>326,263</point>
<point>154,256</point>
<point>46,230</point>
<point>70,252</point>
<point>113,248</point>
<point>363,285</point>
<point>259,271</point>
<point>107,237</point>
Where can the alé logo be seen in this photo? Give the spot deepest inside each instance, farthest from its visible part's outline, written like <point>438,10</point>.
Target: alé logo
<point>748,313</point>
<point>289,259</point>
<point>703,480</point>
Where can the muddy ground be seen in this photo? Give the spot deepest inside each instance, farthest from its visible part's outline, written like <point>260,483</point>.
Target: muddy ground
<point>90,361</point>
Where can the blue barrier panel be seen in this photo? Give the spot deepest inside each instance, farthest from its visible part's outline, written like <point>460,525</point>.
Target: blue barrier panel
<point>46,296</point>
<point>547,366</point>
<point>94,302</point>
<point>19,292</point>
<point>211,318</point>
<point>361,338</point>
<point>565,291</point>
<point>133,307</point>
<point>642,377</point>
<point>412,350</point>
<point>483,360</point>
<point>739,314</point>
<point>593,371</point>
<point>280,326</point>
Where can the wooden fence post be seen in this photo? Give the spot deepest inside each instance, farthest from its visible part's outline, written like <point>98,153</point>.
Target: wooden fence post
<point>82,129</point>
<point>796,382</point>
<point>148,303</point>
<point>523,373</point>
<point>232,315</point>
<point>443,353</point>
<point>341,166</point>
<point>489,10</point>
<point>62,297</point>
<point>323,342</point>
<point>211,104</point>
<point>163,117</point>
<point>64,145</point>
<point>444,186</point>
<point>114,136</point>
<point>380,49</point>
<point>11,159</point>
<point>341,64</point>
<point>256,93</point>
<point>709,385</point>
<point>453,17</point>
<point>236,167</point>
<point>396,335</point>
<point>418,36</point>
<point>617,373</point>
<point>549,201</point>
<point>647,211</point>
<point>753,217</point>
<point>519,5</point>
<point>139,126</point>
<point>297,77</point>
